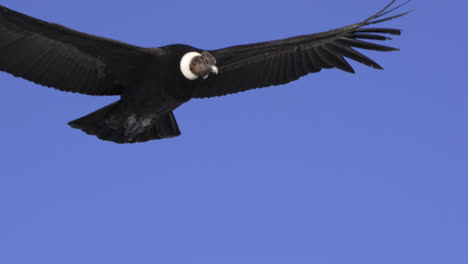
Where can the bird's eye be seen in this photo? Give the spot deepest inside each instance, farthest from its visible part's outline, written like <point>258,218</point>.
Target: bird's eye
<point>185,63</point>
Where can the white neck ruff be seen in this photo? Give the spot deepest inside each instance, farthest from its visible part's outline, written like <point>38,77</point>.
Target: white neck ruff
<point>185,65</point>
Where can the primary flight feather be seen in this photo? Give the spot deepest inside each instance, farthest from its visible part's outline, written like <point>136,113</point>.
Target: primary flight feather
<point>152,82</point>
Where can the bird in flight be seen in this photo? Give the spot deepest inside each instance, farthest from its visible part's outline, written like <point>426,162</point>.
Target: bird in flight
<point>152,82</point>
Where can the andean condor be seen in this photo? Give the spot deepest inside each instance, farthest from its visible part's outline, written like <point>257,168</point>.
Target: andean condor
<point>152,82</point>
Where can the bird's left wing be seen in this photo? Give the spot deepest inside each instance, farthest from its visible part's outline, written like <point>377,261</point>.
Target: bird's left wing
<point>65,59</point>
<point>277,62</point>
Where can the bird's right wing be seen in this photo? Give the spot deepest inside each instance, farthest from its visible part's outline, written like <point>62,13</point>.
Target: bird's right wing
<point>68,60</point>
<point>277,62</point>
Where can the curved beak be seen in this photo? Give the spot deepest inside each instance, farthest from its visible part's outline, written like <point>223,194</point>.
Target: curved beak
<point>214,69</point>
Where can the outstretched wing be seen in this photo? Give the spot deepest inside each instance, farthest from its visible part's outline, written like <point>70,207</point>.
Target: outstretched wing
<point>277,62</point>
<point>58,57</point>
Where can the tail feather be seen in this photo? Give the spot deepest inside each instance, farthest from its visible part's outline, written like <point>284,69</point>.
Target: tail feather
<point>111,124</point>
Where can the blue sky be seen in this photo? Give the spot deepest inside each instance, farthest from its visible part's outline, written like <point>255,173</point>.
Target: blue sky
<point>333,168</point>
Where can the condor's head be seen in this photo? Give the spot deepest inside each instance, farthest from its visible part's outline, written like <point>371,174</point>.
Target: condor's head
<point>194,65</point>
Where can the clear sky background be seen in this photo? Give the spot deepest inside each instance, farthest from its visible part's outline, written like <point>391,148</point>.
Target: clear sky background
<point>333,168</point>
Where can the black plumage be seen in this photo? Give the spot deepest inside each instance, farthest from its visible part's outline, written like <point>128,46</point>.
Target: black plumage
<point>152,82</point>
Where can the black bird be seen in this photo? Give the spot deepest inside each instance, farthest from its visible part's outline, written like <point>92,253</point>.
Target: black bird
<point>152,82</point>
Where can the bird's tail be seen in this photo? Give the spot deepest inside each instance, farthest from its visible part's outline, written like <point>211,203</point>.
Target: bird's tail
<point>112,124</point>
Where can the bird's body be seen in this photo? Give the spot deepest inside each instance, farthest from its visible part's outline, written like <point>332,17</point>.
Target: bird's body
<point>152,82</point>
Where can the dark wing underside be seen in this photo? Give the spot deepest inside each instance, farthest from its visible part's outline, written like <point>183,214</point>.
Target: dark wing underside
<point>55,56</point>
<point>277,62</point>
